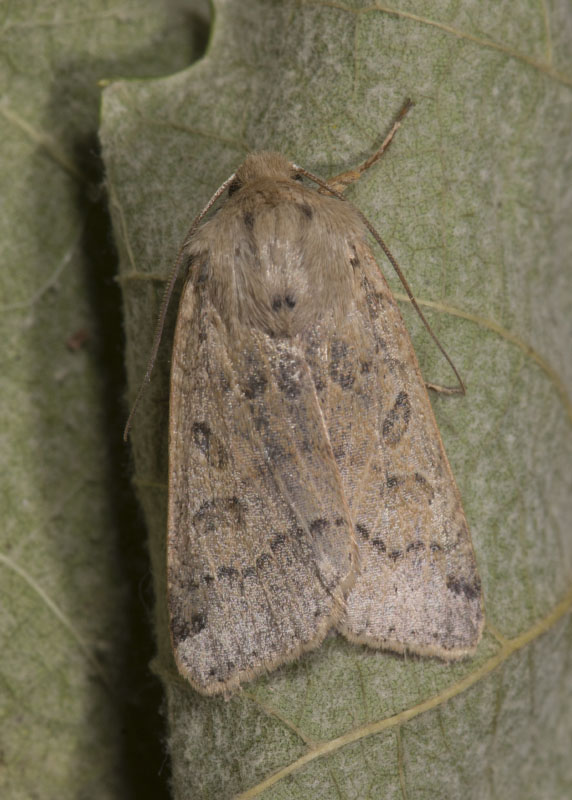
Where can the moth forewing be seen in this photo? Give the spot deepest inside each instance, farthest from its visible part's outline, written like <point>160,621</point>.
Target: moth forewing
<point>418,589</point>
<point>261,546</point>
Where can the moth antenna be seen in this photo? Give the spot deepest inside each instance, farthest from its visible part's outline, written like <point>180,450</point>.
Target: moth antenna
<point>393,261</point>
<point>173,275</point>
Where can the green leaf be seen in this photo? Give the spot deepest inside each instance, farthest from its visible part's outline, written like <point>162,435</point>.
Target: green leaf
<point>66,619</point>
<point>473,199</point>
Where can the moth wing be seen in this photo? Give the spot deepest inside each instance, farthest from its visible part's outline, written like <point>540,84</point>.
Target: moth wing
<point>261,549</point>
<point>418,588</point>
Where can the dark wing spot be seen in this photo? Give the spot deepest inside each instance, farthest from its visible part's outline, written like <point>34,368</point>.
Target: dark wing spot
<point>198,622</point>
<point>277,542</point>
<point>395,554</point>
<point>339,451</point>
<point>379,544</point>
<point>209,444</point>
<point>219,513</point>
<point>425,486</point>
<point>204,511</point>
<point>319,384</point>
<point>319,525</point>
<point>415,547</point>
<point>306,210</point>
<point>363,530</point>
<point>201,434</point>
<point>248,220</point>
<point>263,560</point>
<point>397,421</point>
<point>471,589</point>
<point>235,508</point>
<point>296,531</point>
<point>227,572</point>
<point>180,629</point>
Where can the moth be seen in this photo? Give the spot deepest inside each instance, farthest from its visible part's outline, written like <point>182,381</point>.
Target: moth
<point>308,485</point>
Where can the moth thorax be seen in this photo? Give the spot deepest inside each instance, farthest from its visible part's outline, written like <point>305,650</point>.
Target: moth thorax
<point>286,298</point>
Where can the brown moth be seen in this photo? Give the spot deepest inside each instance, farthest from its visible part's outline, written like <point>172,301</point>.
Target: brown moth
<point>308,484</point>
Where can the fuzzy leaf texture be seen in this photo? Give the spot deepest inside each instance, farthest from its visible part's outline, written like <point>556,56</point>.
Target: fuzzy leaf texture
<point>474,199</point>
<point>65,627</point>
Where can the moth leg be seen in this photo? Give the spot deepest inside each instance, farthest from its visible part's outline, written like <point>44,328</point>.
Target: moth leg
<point>448,390</point>
<point>344,179</point>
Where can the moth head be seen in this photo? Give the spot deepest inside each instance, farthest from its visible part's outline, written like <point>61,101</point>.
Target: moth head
<point>263,165</point>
